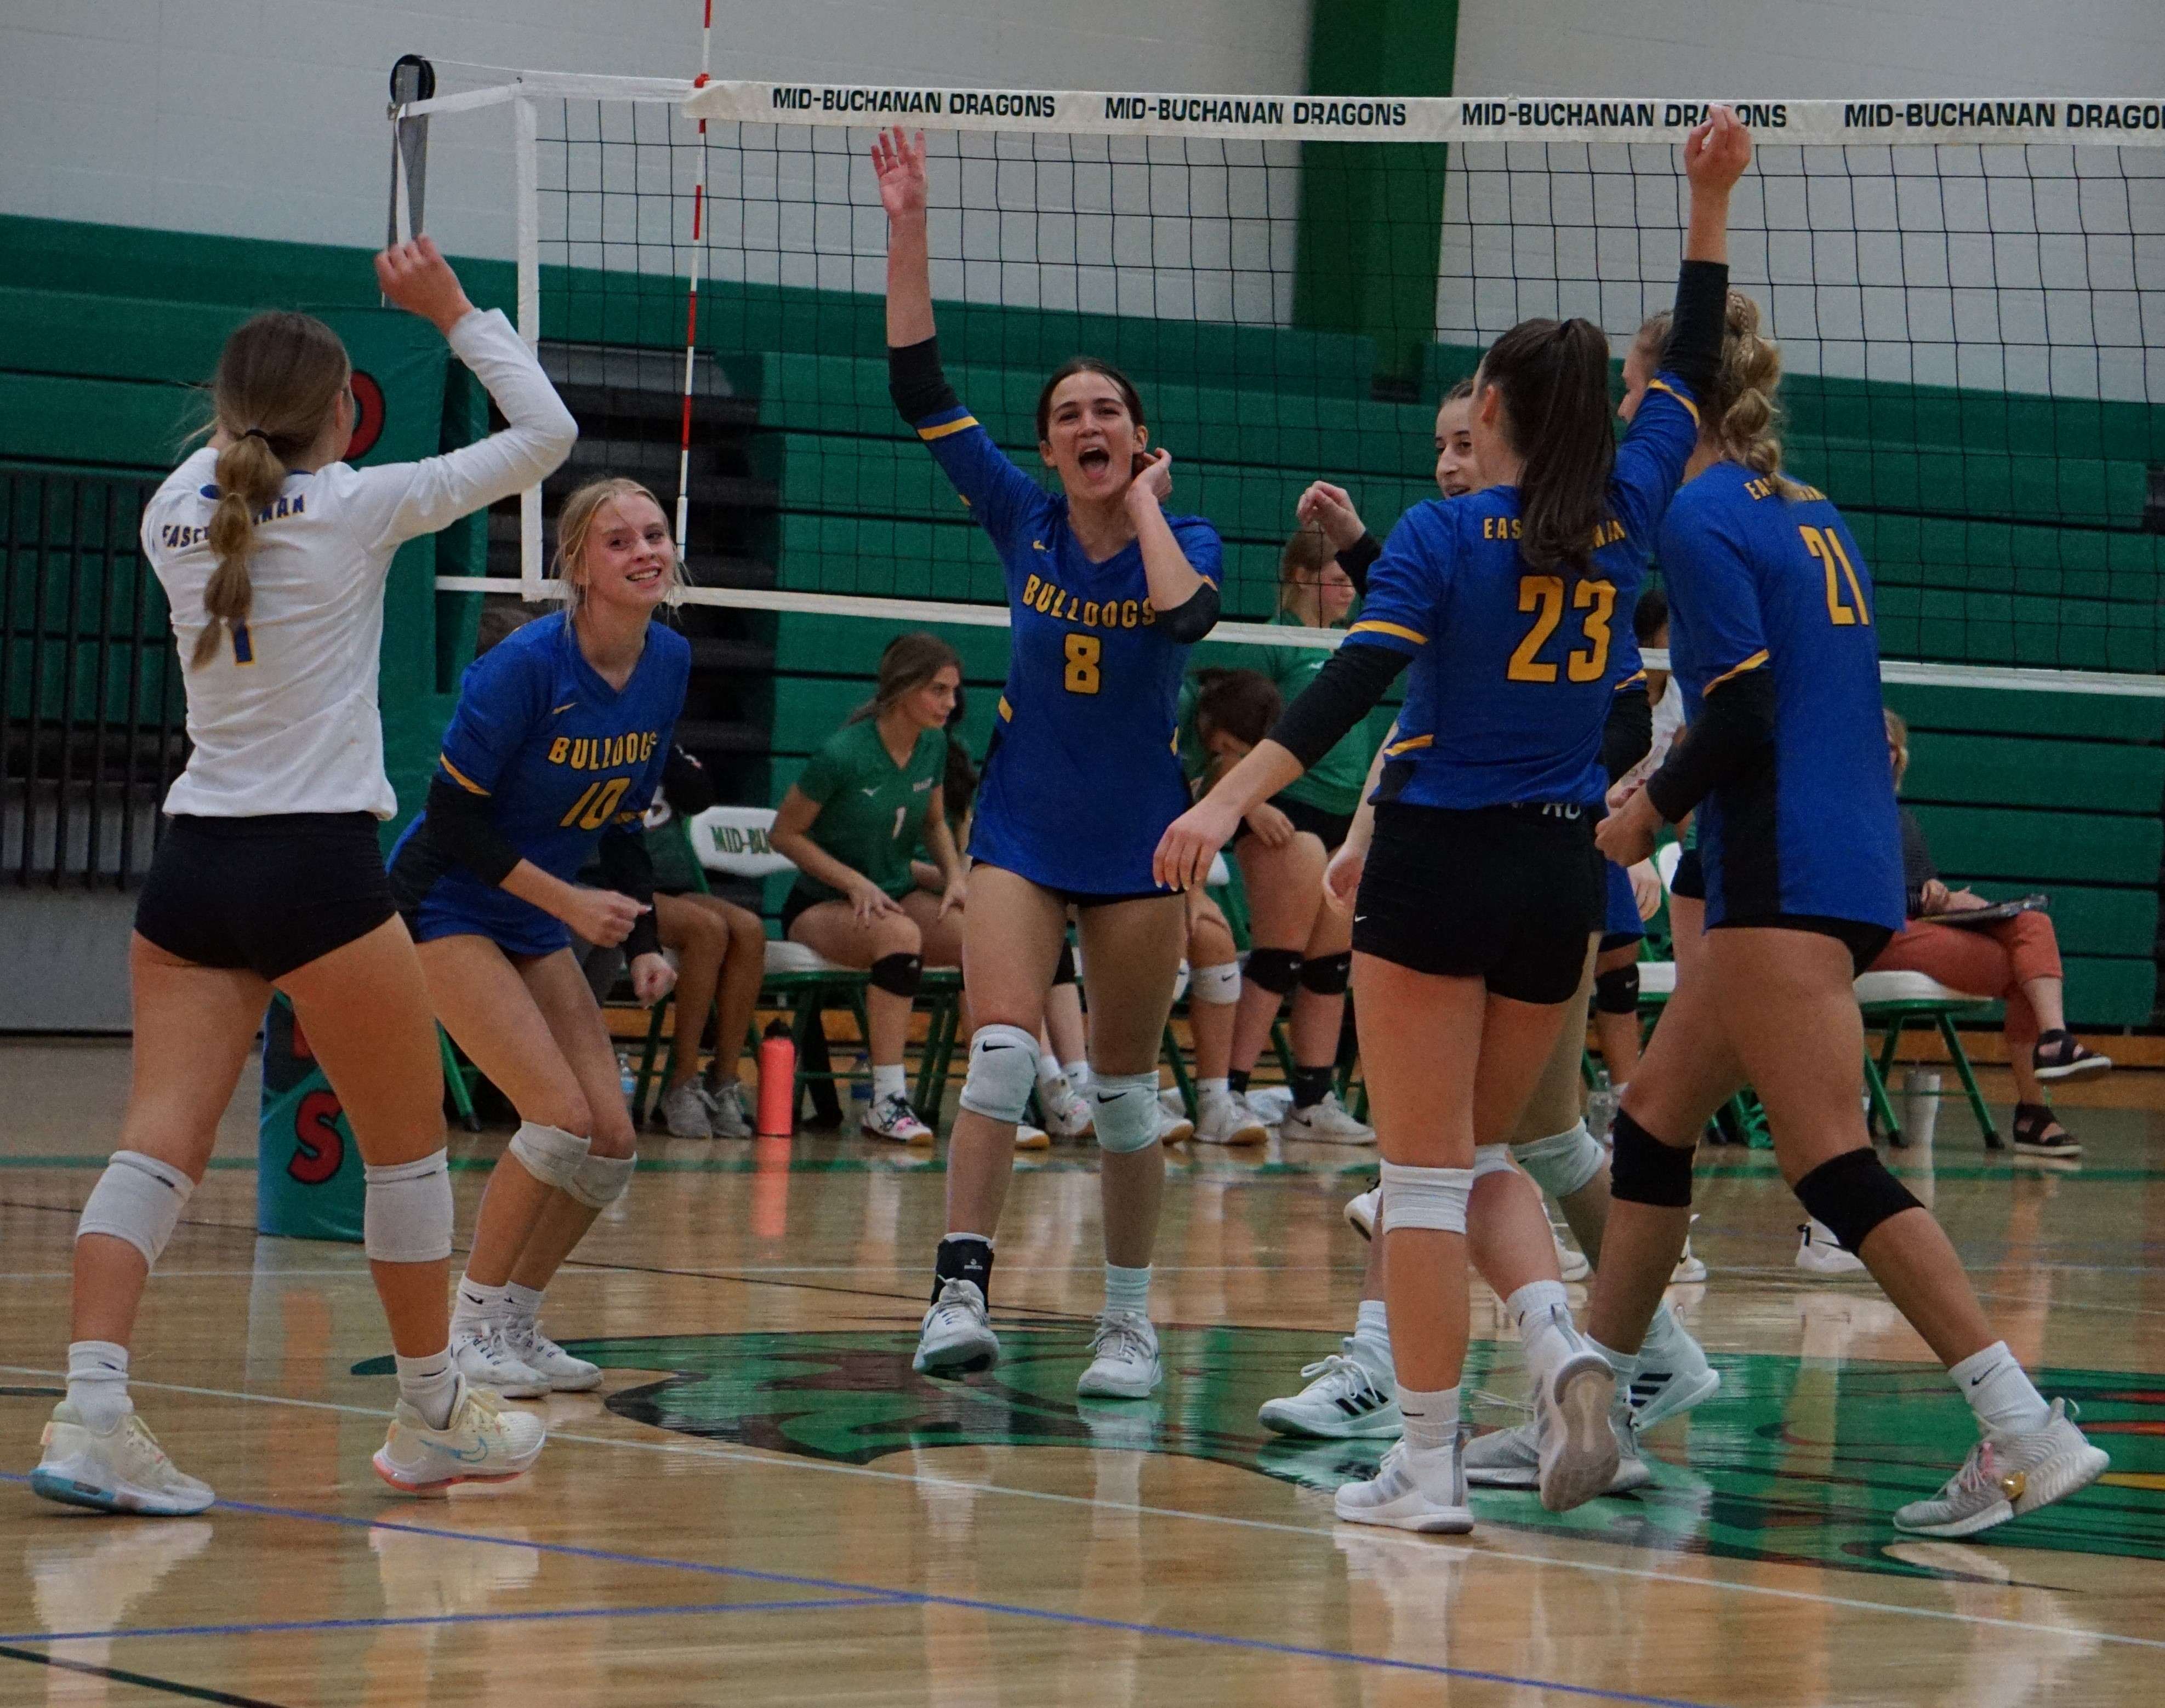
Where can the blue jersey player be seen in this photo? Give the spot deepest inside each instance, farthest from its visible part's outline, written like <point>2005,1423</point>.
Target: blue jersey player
<point>1482,886</point>
<point>1774,643</point>
<point>558,744</point>
<point>1107,593</point>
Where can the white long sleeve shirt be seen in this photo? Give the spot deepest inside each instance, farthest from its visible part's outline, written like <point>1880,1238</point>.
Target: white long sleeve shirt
<point>284,716</point>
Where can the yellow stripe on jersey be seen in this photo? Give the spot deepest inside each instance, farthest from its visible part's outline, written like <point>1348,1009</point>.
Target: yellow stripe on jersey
<point>1403,634</point>
<point>1752,663</point>
<point>1407,745</point>
<point>928,433</point>
<point>1633,681</point>
<point>1663,385</point>
<point>1007,711</point>
<point>460,777</point>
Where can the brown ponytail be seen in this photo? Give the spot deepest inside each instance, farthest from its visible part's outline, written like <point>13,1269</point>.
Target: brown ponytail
<point>1554,379</point>
<point>279,378</point>
<point>907,663</point>
<point>1743,414</point>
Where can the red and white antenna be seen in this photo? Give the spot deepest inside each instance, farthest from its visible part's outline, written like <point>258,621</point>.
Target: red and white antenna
<point>692,290</point>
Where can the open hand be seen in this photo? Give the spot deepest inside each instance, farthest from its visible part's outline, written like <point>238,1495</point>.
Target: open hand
<point>1271,828</point>
<point>900,163</point>
<point>1341,878</point>
<point>1191,843</point>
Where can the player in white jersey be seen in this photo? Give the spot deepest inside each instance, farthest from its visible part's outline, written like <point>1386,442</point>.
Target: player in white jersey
<point>272,552</point>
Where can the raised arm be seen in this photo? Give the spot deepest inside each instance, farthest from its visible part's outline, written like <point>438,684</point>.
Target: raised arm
<point>900,163</point>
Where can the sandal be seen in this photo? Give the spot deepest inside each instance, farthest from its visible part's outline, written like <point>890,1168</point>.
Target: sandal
<point>2058,1056</point>
<point>2037,1134</point>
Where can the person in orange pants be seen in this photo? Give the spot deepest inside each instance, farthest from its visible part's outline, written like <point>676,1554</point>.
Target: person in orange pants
<point>2017,960</point>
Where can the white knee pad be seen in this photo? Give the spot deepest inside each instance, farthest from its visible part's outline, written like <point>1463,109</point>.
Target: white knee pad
<point>1002,1073</point>
<point>1217,985</point>
<point>406,1215</point>
<point>1491,1160</point>
<point>549,1154</point>
<point>1429,1198</point>
<point>599,1181</point>
<point>1562,1162</point>
<point>138,1199</point>
<point>1123,1108</point>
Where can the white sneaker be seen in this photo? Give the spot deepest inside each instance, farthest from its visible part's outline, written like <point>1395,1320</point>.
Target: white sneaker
<point>1511,1459</point>
<point>2006,1476</point>
<point>1124,1364</point>
<point>1672,1381</point>
<point>892,1119</point>
<point>1346,1398</point>
<point>1066,1116</point>
<point>1579,1449</point>
<point>957,1335</point>
<point>1173,1126</point>
<point>1422,1490</point>
<point>1362,1209</point>
<point>1571,1261</point>
<point>481,1355</point>
<point>1818,1252</point>
<point>123,1471</point>
<point>564,1373</point>
<point>1690,1270</point>
<point>1225,1118</point>
<point>1325,1122</point>
<point>1029,1138</point>
<point>728,1117</point>
<point>688,1111</point>
<point>481,1444</point>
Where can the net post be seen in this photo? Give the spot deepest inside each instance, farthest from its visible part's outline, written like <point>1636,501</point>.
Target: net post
<point>526,149</point>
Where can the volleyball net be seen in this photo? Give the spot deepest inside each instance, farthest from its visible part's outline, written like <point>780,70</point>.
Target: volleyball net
<point>1969,297</point>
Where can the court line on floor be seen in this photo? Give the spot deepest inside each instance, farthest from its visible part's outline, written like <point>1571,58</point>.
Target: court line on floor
<point>869,1594</point>
<point>769,1461</point>
<point>146,1681</point>
<point>278,1627</point>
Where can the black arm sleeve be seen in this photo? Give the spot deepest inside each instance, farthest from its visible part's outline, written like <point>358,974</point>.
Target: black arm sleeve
<point>1195,616</point>
<point>1343,691</point>
<point>628,868</point>
<point>685,783</point>
<point>459,826</point>
<point>1694,351</point>
<point>917,384</point>
<point>1917,867</point>
<point>1733,736</point>
<point>1628,736</point>
<point>1358,559</point>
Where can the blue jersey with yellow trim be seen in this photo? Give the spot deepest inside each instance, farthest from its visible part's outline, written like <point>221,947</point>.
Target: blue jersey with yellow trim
<point>1758,580</point>
<point>562,757</point>
<point>1513,671</point>
<point>1082,778</point>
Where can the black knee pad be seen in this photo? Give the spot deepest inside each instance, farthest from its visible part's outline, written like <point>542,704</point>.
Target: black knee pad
<point>1643,1170</point>
<point>1063,970</point>
<point>1327,975</point>
<point>1616,991</point>
<point>901,974</point>
<point>1277,970</point>
<point>1852,1194</point>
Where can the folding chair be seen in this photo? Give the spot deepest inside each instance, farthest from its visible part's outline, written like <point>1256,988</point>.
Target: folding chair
<point>1896,999</point>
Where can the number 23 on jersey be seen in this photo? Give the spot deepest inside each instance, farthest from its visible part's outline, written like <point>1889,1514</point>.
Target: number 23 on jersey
<point>1543,597</point>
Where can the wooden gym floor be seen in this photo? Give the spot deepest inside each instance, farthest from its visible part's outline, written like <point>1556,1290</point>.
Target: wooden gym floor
<point>765,1505</point>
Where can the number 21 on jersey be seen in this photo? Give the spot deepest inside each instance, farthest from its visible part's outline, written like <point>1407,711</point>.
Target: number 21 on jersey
<point>1826,545</point>
<point>1542,596</point>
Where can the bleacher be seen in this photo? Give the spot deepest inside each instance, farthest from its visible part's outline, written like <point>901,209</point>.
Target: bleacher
<point>2000,529</point>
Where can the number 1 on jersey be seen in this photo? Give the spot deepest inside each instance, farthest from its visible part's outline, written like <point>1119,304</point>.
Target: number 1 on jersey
<point>1826,547</point>
<point>1083,651</point>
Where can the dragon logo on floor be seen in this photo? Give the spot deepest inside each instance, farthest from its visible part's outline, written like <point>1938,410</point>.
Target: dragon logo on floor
<point>1796,1462</point>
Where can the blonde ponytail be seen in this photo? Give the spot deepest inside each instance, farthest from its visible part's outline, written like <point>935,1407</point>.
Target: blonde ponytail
<point>1747,417</point>
<point>279,379</point>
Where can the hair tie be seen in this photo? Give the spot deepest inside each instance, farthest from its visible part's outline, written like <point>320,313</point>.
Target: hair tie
<point>256,433</point>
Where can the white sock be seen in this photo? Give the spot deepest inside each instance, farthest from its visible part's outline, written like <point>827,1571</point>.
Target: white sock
<point>1128,1290</point>
<point>890,1081</point>
<point>97,1385</point>
<point>521,1305</point>
<point>429,1384</point>
<point>476,1306</point>
<point>1661,1336</point>
<point>1543,1315</point>
<point>1049,1070</point>
<point>1624,1364</point>
<point>1078,1073</point>
<point>2005,1400</point>
<point>1220,1087</point>
<point>1372,1331</point>
<point>1432,1419</point>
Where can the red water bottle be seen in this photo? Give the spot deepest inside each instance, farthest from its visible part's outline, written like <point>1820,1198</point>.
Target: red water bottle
<point>778,1082</point>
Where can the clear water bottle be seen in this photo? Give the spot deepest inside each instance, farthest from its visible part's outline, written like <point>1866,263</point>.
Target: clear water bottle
<point>861,1089</point>
<point>1601,1107</point>
<point>626,1077</point>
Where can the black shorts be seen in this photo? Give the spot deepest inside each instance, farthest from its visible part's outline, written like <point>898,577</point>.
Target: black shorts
<point>798,902</point>
<point>1508,894</point>
<point>1329,828</point>
<point>1863,939</point>
<point>1690,879</point>
<point>269,894</point>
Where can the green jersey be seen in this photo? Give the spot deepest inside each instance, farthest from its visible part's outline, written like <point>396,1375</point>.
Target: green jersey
<point>872,811</point>
<point>1333,783</point>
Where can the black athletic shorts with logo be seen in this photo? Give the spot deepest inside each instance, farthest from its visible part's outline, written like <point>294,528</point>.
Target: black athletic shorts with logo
<point>269,894</point>
<point>1508,894</point>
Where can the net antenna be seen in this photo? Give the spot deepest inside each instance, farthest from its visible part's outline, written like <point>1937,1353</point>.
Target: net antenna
<point>413,78</point>
<point>694,258</point>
